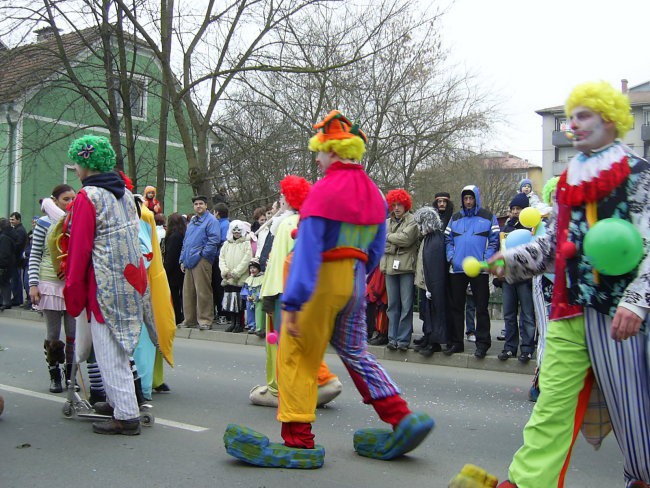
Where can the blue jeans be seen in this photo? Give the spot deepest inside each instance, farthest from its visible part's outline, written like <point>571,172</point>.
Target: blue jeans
<point>519,297</point>
<point>400,290</point>
<point>17,286</point>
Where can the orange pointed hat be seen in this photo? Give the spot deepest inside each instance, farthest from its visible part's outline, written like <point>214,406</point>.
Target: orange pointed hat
<point>336,133</point>
<point>337,126</point>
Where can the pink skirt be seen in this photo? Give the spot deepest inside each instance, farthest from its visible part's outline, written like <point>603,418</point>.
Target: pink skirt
<point>51,295</point>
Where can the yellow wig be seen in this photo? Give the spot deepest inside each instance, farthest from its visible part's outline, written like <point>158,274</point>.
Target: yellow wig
<point>346,148</point>
<point>602,98</point>
<point>337,134</point>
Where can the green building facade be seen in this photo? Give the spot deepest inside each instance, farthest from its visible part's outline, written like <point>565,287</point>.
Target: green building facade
<point>42,110</point>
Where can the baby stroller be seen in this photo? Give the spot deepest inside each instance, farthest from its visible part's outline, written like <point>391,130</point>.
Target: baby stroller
<point>76,405</point>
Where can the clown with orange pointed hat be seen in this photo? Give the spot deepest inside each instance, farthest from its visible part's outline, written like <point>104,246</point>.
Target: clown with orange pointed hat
<point>323,302</point>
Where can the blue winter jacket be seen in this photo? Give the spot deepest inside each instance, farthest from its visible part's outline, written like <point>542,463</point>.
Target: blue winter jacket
<point>202,240</point>
<point>473,232</point>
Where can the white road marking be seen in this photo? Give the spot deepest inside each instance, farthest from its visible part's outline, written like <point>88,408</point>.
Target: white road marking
<point>58,399</point>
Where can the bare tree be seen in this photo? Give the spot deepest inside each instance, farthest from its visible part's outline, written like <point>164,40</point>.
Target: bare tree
<point>93,66</point>
<point>416,111</point>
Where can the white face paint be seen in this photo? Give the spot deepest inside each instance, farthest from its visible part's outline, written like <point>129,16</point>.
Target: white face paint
<point>590,131</point>
<point>324,160</point>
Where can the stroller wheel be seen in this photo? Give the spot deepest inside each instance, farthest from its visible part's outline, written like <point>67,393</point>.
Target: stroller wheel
<point>67,410</point>
<point>147,419</point>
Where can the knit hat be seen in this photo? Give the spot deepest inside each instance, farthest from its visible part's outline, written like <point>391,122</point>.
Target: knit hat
<point>203,198</point>
<point>336,133</point>
<point>400,195</point>
<point>92,152</point>
<point>525,181</point>
<point>295,190</point>
<point>442,194</point>
<point>519,200</point>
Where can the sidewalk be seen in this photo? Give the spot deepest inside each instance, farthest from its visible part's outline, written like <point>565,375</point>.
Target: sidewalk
<point>461,360</point>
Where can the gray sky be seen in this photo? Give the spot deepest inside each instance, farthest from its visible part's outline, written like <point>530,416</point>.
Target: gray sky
<point>529,54</point>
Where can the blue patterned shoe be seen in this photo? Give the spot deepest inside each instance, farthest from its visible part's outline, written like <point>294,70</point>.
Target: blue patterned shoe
<point>254,448</point>
<point>388,444</point>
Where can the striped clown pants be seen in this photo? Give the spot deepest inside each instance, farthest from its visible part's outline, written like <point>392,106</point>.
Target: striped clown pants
<point>578,352</point>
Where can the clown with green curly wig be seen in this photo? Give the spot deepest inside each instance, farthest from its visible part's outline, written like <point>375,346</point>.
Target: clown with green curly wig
<point>341,237</point>
<point>106,278</point>
<point>595,342</point>
<point>94,153</point>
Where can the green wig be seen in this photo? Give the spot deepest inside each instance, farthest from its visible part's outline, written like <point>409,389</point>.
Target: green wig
<point>92,152</point>
<point>549,187</point>
<point>601,97</point>
<point>353,148</point>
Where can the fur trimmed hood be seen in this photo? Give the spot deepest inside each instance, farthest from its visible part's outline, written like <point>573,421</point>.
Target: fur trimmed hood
<point>428,220</point>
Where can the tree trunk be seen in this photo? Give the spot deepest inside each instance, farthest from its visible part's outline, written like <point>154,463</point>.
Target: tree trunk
<point>166,21</point>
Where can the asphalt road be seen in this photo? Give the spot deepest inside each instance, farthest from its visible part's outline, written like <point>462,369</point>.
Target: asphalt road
<point>479,418</point>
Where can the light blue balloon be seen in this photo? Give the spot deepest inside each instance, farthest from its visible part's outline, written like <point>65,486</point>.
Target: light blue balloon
<point>540,230</point>
<point>518,237</point>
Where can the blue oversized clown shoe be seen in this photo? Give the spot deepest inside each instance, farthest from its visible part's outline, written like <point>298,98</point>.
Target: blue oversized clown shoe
<point>254,448</point>
<point>388,444</point>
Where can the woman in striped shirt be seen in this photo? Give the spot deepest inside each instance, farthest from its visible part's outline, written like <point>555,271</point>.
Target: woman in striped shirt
<point>46,289</point>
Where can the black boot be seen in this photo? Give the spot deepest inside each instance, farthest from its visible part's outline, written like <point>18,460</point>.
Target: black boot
<point>238,325</point>
<point>55,379</point>
<point>96,396</point>
<point>68,377</point>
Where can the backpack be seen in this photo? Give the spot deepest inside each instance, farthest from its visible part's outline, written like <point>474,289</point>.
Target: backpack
<point>57,243</point>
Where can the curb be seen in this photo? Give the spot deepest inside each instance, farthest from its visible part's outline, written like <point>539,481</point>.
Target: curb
<point>459,360</point>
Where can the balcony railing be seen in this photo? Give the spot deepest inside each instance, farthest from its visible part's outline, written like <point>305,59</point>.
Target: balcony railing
<point>560,139</point>
<point>645,132</point>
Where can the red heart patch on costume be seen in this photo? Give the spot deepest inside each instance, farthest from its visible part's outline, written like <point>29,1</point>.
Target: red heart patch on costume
<point>137,277</point>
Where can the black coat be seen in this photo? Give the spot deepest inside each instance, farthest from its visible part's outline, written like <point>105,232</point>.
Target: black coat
<point>434,266</point>
<point>7,256</point>
<point>19,236</point>
<point>173,246</point>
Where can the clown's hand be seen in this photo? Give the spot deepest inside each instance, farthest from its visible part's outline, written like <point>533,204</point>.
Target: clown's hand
<point>428,294</point>
<point>625,324</point>
<point>290,323</point>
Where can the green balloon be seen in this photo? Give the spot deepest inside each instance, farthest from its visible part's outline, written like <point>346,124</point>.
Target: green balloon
<point>613,246</point>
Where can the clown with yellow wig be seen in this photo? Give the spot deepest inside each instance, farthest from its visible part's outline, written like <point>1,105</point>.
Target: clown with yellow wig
<point>323,302</point>
<point>597,341</point>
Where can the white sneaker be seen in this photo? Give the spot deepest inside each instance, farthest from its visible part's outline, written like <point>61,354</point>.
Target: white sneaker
<point>260,395</point>
<point>329,391</point>
<point>471,337</point>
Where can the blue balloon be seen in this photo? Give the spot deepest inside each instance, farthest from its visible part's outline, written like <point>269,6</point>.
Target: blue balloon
<point>518,237</point>
<point>540,230</point>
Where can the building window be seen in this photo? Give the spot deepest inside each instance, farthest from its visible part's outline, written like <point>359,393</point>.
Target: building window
<point>646,117</point>
<point>137,96</point>
<point>70,175</point>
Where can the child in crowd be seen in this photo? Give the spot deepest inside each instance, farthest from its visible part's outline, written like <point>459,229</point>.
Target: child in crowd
<point>150,200</point>
<point>234,257</point>
<point>526,187</point>
<point>250,293</point>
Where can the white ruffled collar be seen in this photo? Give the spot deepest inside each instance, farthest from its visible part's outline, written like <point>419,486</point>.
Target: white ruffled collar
<point>583,167</point>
